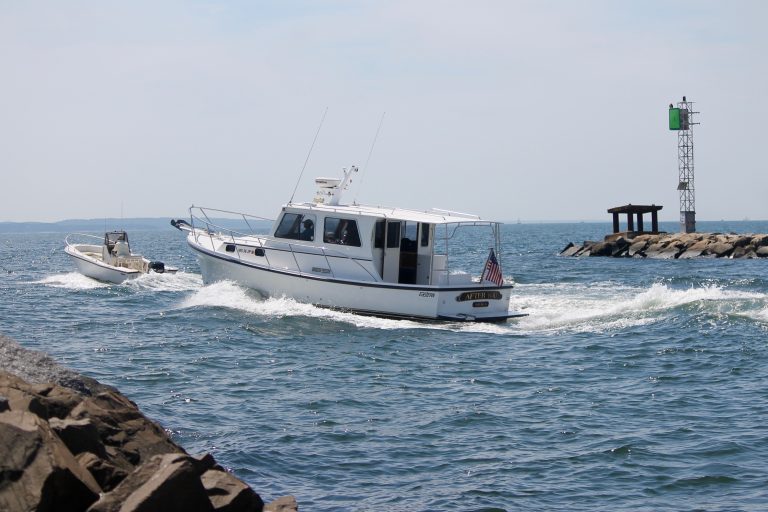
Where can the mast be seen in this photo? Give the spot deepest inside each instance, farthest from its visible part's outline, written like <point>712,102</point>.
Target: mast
<point>681,120</point>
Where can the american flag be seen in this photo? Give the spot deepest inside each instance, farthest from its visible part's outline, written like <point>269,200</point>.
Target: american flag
<point>492,271</point>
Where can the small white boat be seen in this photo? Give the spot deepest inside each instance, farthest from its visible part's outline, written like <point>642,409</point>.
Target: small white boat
<point>388,262</point>
<point>111,260</point>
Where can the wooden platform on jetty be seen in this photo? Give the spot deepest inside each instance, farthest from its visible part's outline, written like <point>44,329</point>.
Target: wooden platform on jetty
<point>631,244</point>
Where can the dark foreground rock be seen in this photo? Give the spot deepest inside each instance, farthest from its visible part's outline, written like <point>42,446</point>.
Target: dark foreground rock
<point>674,246</point>
<point>69,443</point>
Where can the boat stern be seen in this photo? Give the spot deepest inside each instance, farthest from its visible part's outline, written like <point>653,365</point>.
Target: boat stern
<point>479,304</point>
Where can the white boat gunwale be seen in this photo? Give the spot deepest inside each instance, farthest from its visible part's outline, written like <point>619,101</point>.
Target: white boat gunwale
<point>325,252</point>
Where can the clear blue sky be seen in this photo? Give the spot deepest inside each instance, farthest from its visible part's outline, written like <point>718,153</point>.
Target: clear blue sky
<point>537,110</point>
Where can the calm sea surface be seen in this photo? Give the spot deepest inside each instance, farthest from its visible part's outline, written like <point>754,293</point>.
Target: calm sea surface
<point>632,385</point>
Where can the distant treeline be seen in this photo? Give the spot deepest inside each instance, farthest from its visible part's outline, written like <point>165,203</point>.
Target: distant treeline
<point>102,225</point>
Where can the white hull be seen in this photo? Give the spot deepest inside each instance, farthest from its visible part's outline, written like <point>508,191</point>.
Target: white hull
<point>97,269</point>
<point>468,302</point>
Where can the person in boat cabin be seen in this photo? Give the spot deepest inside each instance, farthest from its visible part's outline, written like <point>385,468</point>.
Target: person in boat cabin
<point>349,234</point>
<point>345,232</point>
<point>342,233</point>
<point>308,233</point>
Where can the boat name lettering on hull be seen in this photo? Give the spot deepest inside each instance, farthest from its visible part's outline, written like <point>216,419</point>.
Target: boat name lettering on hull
<point>427,294</point>
<point>481,295</point>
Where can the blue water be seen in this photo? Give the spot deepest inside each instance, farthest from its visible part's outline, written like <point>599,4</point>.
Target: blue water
<point>632,385</point>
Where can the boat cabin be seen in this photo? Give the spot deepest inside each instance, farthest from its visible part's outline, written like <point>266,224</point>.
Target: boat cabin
<point>400,246</point>
<point>115,246</point>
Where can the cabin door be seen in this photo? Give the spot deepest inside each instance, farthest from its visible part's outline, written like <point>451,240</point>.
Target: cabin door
<point>424,269</point>
<point>408,253</point>
<point>391,271</point>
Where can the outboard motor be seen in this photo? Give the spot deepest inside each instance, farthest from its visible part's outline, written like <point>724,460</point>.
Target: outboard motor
<point>157,266</point>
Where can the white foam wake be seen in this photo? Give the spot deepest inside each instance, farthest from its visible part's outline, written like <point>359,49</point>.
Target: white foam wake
<point>552,308</point>
<point>601,307</point>
<point>178,282</point>
<point>71,281</point>
<point>227,294</point>
<point>760,315</point>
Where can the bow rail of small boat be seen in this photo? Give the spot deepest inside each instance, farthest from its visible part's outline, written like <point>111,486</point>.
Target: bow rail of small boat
<point>90,238</point>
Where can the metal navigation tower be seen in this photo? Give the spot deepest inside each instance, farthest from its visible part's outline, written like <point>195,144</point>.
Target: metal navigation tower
<point>681,120</point>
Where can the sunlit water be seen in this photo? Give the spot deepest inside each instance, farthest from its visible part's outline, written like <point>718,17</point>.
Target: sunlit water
<point>631,385</point>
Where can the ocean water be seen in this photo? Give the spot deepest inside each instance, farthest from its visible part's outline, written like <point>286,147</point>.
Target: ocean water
<point>632,385</point>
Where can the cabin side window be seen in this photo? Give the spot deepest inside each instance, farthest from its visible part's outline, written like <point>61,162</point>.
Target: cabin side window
<point>424,227</point>
<point>408,242</point>
<point>296,227</point>
<point>393,235</point>
<point>341,232</point>
<point>378,234</point>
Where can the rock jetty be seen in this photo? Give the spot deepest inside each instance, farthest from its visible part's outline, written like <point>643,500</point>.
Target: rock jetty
<point>69,443</point>
<point>674,246</point>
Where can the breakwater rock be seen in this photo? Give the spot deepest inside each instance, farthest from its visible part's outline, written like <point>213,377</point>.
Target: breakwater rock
<point>674,246</point>
<point>69,443</point>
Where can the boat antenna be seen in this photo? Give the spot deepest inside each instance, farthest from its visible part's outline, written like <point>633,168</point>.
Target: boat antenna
<point>370,152</point>
<point>308,153</point>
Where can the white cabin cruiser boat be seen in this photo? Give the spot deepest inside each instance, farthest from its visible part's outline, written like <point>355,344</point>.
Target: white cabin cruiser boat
<point>379,261</point>
<point>111,260</point>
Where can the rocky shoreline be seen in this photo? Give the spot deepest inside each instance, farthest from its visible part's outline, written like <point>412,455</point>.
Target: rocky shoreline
<point>70,443</point>
<point>674,246</point>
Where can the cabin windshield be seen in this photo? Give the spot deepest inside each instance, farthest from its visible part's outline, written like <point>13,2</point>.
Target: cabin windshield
<point>115,236</point>
<point>110,239</point>
<point>296,226</point>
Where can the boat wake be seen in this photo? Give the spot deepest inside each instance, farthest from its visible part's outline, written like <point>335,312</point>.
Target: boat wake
<point>178,282</point>
<point>760,315</point>
<point>72,281</point>
<point>227,294</point>
<point>552,308</point>
<point>605,306</point>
